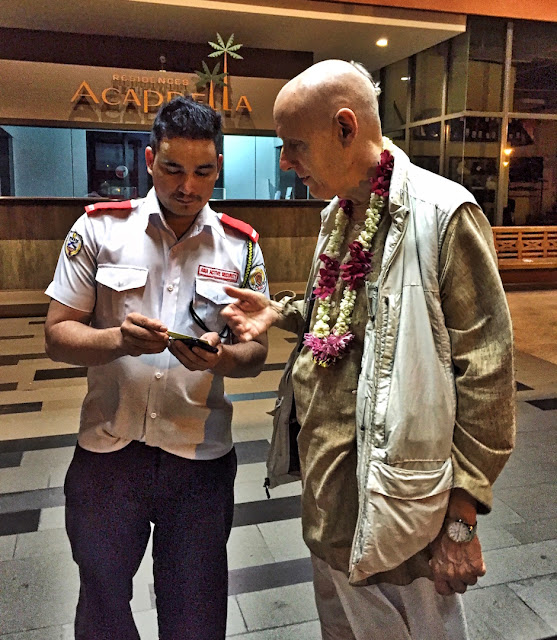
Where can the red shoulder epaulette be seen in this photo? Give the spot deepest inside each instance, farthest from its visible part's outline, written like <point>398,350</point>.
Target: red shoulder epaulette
<point>240,225</point>
<point>99,207</point>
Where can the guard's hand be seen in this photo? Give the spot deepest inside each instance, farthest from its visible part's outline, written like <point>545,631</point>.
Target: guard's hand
<point>141,334</point>
<point>455,565</point>
<point>251,315</point>
<point>196,358</point>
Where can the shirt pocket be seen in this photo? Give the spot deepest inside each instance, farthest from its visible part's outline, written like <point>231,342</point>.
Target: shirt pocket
<point>208,301</point>
<point>120,291</point>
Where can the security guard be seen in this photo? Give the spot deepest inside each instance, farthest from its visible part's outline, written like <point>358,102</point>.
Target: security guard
<point>155,443</point>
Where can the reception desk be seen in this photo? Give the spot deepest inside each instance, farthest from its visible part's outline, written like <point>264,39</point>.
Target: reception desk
<point>32,231</point>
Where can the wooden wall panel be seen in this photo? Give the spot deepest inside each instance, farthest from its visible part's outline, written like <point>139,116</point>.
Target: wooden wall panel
<point>28,264</point>
<point>32,232</point>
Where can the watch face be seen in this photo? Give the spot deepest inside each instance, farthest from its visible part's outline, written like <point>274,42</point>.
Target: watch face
<point>459,532</point>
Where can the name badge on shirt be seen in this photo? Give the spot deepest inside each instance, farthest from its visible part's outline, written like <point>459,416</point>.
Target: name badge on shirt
<point>74,244</point>
<point>213,273</point>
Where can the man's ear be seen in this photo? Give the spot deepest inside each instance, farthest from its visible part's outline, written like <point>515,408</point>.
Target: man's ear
<point>347,125</point>
<point>149,159</point>
<point>219,164</point>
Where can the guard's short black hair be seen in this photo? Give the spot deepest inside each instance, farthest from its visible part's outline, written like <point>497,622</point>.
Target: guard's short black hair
<point>185,118</point>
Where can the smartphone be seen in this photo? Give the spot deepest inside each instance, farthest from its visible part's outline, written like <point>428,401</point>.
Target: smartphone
<point>190,341</point>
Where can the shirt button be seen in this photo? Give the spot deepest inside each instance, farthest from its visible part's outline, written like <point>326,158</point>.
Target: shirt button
<point>158,375</point>
<point>170,287</point>
<point>153,415</point>
<point>354,392</point>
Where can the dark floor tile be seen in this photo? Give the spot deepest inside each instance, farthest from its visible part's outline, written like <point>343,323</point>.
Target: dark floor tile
<point>8,386</point>
<point>252,451</point>
<point>522,387</point>
<point>37,444</point>
<point>12,459</point>
<point>548,404</point>
<point>20,407</point>
<point>31,500</point>
<point>19,522</point>
<point>274,366</point>
<point>267,511</point>
<point>16,337</point>
<point>258,395</point>
<point>59,374</point>
<point>11,360</point>
<point>269,576</point>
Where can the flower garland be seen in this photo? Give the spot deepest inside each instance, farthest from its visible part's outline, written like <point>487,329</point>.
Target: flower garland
<point>329,345</point>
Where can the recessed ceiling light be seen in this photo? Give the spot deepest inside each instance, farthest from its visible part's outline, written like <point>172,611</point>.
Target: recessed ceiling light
<point>382,42</point>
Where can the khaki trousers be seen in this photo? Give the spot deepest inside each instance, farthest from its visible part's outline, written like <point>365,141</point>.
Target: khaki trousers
<point>384,611</point>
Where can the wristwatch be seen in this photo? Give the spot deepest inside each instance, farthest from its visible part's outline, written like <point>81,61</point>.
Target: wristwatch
<point>460,531</point>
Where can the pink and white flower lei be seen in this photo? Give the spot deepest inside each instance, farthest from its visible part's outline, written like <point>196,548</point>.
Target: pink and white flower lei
<point>329,345</point>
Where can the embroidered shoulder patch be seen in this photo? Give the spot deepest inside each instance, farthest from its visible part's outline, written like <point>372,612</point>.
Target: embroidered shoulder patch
<point>257,279</point>
<point>74,244</point>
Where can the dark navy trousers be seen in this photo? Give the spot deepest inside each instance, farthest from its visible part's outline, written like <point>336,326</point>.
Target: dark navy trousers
<point>111,499</point>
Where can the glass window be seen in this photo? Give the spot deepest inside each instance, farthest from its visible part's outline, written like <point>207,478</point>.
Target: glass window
<point>395,95</point>
<point>116,164</point>
<point>486,63</point>
<point>63,162</point>
<point>530,169</point>
<point>454,149</point>
<point>458,73</point>
<point>425,146</point>
<point>472,158</point>
<point>427,83</point>
<point>6,164</point>
<point>534,67</point>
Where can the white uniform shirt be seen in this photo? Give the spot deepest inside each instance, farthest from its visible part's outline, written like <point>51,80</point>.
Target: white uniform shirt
<point>118,261</point>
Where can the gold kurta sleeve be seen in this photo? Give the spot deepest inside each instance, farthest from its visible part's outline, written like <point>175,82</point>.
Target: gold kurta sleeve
<point>479,325</point>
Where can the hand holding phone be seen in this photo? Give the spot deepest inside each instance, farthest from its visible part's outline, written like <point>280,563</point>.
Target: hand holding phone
<point>191,341</point>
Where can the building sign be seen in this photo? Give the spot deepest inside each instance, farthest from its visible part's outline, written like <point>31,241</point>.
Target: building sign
<point>78,96</point>
<point>146,92</point>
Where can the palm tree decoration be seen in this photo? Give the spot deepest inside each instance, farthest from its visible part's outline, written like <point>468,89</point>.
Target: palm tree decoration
<point>211,78</point>
<point>228,49</point>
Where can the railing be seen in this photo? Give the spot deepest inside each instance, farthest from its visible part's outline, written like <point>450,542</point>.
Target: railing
<point>526,247</point>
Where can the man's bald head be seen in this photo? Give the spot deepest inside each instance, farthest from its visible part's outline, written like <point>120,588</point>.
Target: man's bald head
<point>328,121</point>
<point>324,88</point>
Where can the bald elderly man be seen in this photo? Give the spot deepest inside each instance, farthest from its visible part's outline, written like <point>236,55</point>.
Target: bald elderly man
<point>400,394</point>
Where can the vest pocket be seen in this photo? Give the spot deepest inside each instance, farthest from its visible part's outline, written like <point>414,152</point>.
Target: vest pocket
<point>403,512</point>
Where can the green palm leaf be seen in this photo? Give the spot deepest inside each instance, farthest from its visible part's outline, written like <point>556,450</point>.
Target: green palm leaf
<point>221,41</point>
<point>235,47</point>
<point>230,41</point>
<point>215,54</point>
<point>215,46</point>
<point>237,56</point>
